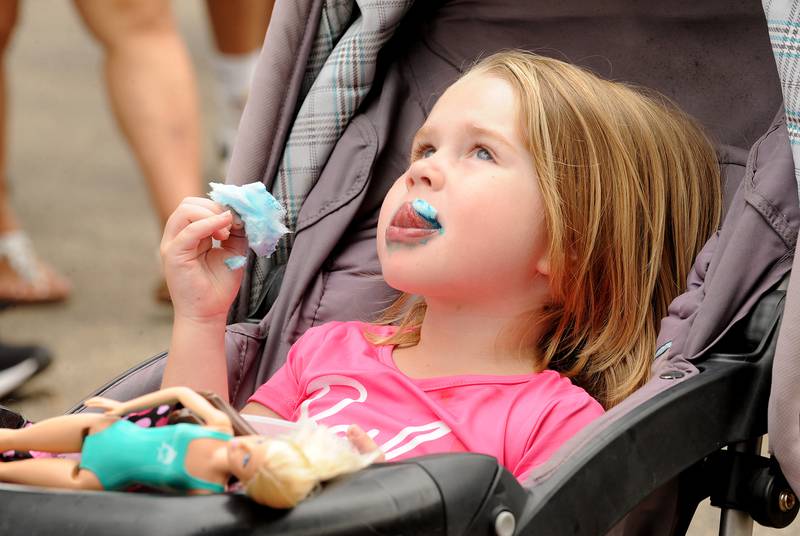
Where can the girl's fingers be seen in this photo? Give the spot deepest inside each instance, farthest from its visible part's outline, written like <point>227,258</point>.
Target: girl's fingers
<point>197,219</point>
<point>190,236</point>
<point>221,234</point>
<point>236,242</point>
<point>192,209</point>
<point>185,214</point>
<point>215,207</point>
<point>205,203</point>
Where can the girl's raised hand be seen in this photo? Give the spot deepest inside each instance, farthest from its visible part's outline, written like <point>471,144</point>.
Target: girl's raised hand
<point>200,284</point>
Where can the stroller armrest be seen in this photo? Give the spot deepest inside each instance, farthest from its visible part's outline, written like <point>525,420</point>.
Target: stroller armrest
<point>448,494</point>
<point>666,436</point>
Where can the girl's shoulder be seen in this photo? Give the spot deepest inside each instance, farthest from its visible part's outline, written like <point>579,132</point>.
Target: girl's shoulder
<point>336,341</point>
<point>350,334</point>
<point>555,391</point>
<point>337,330</point>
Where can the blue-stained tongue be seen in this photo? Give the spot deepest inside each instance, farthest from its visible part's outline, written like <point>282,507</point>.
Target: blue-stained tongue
<point>261,213</point>
<point>426,211</point>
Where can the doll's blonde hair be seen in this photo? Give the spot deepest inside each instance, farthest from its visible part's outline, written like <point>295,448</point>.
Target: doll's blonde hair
<point>294,465</point>
<point>631,190</point>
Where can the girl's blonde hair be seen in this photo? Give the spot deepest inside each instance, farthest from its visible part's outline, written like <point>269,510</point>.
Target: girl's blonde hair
<point>631,190</point>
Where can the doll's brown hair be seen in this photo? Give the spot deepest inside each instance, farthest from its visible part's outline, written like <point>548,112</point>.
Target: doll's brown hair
<point>631,190</point>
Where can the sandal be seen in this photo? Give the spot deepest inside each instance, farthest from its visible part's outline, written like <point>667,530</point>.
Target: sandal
<point>24,279</point>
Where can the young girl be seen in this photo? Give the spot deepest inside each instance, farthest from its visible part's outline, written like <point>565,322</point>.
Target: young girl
<point>545,221</point>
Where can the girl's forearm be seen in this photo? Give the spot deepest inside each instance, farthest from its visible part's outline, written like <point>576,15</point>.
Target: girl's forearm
<point>197,356</point>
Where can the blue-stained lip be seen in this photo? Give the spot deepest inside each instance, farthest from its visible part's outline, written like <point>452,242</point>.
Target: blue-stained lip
<point>415,222</point>
<point>417,214</point>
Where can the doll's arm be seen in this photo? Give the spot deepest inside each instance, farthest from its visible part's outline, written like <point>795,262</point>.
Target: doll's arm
<point>187,397</point>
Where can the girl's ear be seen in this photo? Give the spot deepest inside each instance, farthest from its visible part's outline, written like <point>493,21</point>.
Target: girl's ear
<point>543,265</point>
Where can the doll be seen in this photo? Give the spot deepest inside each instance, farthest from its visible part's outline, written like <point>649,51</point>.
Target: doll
<point>195,459</point>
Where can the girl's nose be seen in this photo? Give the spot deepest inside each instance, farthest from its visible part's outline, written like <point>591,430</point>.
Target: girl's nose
<point>426,174</point>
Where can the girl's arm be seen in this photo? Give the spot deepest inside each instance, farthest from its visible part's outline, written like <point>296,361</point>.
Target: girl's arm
<point>187,397</point>
<point>197,356</point>
<point>253,408</point>
<point>202,289</point>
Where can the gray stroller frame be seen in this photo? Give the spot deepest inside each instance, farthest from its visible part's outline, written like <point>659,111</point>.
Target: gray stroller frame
<point>644,466</point>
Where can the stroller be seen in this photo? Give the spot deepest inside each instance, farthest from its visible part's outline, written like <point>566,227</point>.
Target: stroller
<point>330,160</point>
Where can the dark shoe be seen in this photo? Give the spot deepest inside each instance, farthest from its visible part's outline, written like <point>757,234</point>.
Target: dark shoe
<point>11,419</point>
<point>18,364</point>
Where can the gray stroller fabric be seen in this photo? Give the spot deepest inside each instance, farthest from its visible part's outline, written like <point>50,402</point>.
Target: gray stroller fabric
<point>750,254</point>
<point>783,17</point>
<point>340,72</point>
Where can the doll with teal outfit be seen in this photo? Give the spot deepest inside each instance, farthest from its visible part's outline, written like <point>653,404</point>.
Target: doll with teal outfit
<point>196,459</point>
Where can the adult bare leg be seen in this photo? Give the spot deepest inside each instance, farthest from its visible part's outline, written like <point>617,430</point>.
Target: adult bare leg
<point>8,19</point>
<point>152,91</point>
<point>238,27</point>
<point>23,277</point>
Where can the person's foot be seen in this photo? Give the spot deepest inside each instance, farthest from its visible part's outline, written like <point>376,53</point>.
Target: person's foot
<point>24,279</point>
<point>18,364</point>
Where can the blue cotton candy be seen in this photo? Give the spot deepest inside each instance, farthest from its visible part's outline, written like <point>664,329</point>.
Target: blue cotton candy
<point>261,214</point>
<point>234,263</point>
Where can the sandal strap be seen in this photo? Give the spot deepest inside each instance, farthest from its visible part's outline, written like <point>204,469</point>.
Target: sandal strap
<point>18,249</point>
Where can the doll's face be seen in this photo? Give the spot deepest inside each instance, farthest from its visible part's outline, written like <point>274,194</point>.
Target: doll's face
<point>465,222</point>
<point>245,455</point>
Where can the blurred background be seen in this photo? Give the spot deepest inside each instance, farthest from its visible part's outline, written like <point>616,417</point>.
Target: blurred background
<point>79,194</point>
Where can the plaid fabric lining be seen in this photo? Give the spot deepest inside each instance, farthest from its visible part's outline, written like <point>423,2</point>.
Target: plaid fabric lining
<point>783,22</point>
<point>338,76</point>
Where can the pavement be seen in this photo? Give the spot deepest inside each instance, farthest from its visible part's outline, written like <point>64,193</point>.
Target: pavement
<point>82,199</point>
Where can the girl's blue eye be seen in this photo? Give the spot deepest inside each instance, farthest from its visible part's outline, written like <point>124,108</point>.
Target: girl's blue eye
<point>245,460</point>
<point>483,154</point>
<point>427,153</point>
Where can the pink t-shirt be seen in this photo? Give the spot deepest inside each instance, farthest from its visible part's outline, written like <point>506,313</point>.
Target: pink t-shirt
<point>334,376</point>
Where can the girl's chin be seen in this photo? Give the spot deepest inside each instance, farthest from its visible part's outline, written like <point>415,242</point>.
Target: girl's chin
<point>407,283</point>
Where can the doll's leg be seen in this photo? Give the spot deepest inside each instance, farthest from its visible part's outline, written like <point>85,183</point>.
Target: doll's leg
<point>49,472</point>
<point>59,434</point>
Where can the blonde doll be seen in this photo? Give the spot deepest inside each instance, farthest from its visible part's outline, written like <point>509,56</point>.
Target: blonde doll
<point>117,454</point>
<point>545,221</point>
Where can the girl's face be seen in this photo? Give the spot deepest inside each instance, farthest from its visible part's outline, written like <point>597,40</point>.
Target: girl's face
<point>465,222</point>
